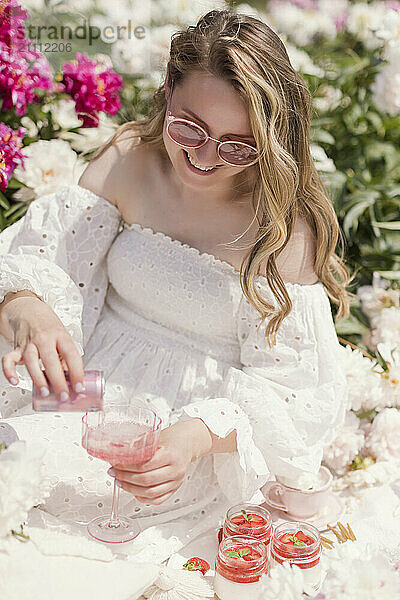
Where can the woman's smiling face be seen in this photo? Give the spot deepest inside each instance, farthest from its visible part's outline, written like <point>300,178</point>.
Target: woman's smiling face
<point>215,105</point>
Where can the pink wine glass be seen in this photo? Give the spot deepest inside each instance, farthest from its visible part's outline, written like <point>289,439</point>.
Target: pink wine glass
<point>122,435</point>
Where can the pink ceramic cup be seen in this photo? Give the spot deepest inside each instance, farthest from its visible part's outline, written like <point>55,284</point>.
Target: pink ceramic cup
<point>295,502</point>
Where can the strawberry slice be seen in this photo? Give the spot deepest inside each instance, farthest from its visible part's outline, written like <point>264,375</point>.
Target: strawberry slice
<point>220,535</point>
<point>309,540</point>
<point>301,536</point>
<point>285,538</point>
<point>197,564</point>
<point>238,520</point>
<point>257,520</point>
<point>304,538</point>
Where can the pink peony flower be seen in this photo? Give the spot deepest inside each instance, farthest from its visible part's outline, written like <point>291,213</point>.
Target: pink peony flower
<point>393,4</point>
<point>93,86</point>
<point>12,17</point>
<point>19,80</point>
<point>10,152</point>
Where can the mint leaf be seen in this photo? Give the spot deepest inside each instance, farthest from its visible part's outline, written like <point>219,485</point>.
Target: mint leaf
<point>246,516</point>
<point>296,541</point>
<point>244,552</point>
<point>232,554</point>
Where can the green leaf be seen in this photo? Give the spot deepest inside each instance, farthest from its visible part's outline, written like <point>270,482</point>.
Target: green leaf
<point>244,552</point>
<point>393,225</point>
<point>395,275</point>
<point>246,516</point>
<point>20,534</point>
<point>350,325</point>
<point>395,191</point>
<point>368,414</point>
<point>232,554</point>
<point>360,202</point>
<point>3,201</point>
<point>18,213</point>
<point>13,208</point>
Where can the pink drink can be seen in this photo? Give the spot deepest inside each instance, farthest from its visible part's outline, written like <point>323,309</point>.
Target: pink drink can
<point>91,399</point>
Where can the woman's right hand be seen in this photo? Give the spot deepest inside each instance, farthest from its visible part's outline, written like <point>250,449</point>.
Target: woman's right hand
<point>37,333</point>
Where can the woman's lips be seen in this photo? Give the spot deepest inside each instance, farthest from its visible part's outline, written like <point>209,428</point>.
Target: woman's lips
<point>194,169</point>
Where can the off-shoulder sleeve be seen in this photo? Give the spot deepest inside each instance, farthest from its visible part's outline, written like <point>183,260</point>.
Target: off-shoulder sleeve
<point>289,399</point>
<point>58,250</point>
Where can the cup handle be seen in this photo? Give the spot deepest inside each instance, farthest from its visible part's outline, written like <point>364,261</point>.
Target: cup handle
<point>275,488</point>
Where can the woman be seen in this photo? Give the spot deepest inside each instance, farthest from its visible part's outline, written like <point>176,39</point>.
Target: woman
<point>184,230</point>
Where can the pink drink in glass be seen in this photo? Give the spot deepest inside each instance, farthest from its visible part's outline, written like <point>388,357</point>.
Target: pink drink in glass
<point>123,435</point>
<point>120,444</point>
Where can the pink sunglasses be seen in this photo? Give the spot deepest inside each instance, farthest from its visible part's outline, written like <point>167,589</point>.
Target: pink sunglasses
<point>189,134</point>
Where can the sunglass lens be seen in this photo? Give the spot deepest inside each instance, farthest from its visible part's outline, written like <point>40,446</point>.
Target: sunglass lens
<point>186,134</point>
<point>237,154</point>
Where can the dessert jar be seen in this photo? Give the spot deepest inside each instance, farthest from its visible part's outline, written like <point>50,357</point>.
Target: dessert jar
<point>240,564</point>
<point>248,520</point>
<point>300,544</point>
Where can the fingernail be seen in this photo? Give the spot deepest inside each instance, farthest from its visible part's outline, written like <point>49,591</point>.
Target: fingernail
<point>13,380</point>
<point>79,387</point>
<point>64,396</point>
<point>118,483</point>
<point>44,391</point>
<point>111,472</point>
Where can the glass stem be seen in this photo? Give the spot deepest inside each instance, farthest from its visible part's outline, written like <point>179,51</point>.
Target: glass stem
<point>114,518</point>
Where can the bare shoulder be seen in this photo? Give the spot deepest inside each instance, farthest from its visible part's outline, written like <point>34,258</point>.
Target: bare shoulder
<point>296,263</point>
<point>107,174</point>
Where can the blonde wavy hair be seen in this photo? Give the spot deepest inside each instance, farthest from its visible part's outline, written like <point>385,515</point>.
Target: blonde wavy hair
<point>284,183</point>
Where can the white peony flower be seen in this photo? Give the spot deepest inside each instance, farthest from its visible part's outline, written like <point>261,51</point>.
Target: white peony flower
<point>301,61</point>
<point>386,327</point>
<point>360,579</point>
<point>132,56</point>
<point>330,98</point>
<point>344,552</point>
<point>251,11</point>
<point>335,9</point>
<point>49,166</point>
<point>87,139</point>
<point>286,18</point>
<point>377,296</point>
<point>30,126</point>
<point>185,12</point>
<point>64,113</point>
<point>160,45</point>
<point>284,582</point>
<point>386,87</point>
<point>390,379</point>
<point>348,442</point>
<point>322,162</point>
<point>364,385</point>
<point>379,473</point>
<point>125,15</point>
<point>383,439</point>
<point>22,484</point>
<point>363,19</point>
<point>389,28</point>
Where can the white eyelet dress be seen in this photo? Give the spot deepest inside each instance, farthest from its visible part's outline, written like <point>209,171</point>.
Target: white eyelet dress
<point>169,325</point>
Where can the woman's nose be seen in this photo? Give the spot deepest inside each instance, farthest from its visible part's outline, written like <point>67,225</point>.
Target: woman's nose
<point>207,155</point>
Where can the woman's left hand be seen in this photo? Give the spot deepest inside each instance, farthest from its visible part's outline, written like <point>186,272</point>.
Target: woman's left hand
<point>155,481</point>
